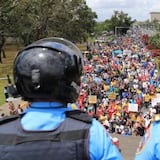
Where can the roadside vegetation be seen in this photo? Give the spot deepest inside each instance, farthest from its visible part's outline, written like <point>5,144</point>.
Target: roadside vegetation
<point>6,68</point>
<point>154,42</point>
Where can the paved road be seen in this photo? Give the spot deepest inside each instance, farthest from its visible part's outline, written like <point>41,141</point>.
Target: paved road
<point>128,144</point>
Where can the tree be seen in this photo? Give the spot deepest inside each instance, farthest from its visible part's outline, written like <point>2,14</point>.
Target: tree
<point>5,7</point>
<point>83,21</point>
<point>31,20</point>
<point>102,26</point>
<point>120,19</point>
<point>2,51</point>
<point>155,41</point>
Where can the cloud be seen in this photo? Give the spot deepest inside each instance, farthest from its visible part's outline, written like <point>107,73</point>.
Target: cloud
<point>136,9</point>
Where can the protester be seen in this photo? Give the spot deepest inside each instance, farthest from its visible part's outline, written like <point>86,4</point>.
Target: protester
<point>12,108</point>
<point>6,94</point>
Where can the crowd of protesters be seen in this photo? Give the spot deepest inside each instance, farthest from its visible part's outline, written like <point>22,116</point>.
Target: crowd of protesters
<point>120,80</point>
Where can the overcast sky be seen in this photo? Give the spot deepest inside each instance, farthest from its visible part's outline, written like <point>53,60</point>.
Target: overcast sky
<point>137,9</point>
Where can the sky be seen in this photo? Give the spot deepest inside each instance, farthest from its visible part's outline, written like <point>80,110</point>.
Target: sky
<point>136,9</point>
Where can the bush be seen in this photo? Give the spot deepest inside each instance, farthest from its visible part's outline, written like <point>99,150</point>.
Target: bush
<point>155,52</point>
<point>155,41</point>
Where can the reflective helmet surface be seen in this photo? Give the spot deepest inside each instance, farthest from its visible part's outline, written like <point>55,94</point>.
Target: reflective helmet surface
<point>49,68</point>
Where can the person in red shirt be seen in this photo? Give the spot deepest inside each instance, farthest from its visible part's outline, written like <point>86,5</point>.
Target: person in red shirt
<point>99,111</point>
<point>90,113</point>
<point>139,102</point>
<point>110,111</point>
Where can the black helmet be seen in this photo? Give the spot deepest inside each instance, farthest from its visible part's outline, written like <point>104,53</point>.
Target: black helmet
<point>49,68</point>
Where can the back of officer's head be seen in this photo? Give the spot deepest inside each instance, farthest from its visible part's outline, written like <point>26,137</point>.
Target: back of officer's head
<point>49,69</point>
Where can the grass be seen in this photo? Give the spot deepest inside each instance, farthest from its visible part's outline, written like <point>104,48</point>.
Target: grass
<point>6,68</point>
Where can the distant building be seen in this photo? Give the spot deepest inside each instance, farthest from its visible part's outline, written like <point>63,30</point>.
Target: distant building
<point>155,16</point>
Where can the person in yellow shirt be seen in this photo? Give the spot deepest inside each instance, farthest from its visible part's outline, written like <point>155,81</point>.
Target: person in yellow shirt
<point>105,87</point>
<point>117,107</point>
<point>133,117</point>
<point>103,117</point>
<point>140,118</point>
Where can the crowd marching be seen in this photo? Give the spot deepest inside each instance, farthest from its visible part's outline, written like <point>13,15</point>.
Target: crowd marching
<point>119,82</point>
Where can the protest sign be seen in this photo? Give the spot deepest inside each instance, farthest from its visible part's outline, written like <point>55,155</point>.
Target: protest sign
<point>132,107</point>
<point>92,99</point>
<point>112,95</point>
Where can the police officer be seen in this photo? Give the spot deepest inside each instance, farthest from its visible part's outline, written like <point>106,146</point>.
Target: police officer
<point>47,74</point>
<point>149,146</point>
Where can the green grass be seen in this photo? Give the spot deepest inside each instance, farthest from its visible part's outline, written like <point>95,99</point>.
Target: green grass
<point>6,68</point>
<point>82,47</point>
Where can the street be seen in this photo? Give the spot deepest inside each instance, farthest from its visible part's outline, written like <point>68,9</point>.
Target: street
<point>128,145</point>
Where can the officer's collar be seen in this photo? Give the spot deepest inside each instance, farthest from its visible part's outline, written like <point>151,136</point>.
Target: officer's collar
<point>47,105</point>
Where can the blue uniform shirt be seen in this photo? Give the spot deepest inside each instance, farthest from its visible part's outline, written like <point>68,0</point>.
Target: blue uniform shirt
<point>49,115</point>
<point>149,147</point>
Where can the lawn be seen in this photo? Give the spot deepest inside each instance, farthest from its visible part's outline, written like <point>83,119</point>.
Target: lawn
<point>6,68</point>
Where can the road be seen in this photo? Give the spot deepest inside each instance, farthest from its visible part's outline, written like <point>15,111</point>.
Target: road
<point>128,145</point>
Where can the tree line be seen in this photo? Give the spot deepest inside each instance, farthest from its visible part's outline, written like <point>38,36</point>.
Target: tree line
<point>30,20</point>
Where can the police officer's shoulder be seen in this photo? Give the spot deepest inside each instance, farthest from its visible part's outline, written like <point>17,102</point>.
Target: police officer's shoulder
<point>7,119</point>
<point>79,115</point>
<point>156,118</point>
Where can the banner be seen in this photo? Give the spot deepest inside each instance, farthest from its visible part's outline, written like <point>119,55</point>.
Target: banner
<point>155,100</point>
<point>112,95</point>
<point>92,99</point>
<point>132,107</point>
